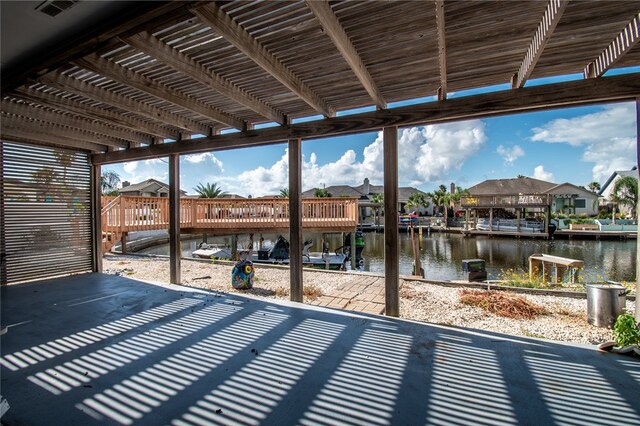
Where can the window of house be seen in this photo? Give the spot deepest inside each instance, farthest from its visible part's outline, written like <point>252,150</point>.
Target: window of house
<point>580,203</point>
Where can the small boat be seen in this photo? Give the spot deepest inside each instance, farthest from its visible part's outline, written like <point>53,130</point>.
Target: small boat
<point>277,254</point>
<point>408,219</point>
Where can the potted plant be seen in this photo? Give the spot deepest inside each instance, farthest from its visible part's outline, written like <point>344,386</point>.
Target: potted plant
<point>627,334</point>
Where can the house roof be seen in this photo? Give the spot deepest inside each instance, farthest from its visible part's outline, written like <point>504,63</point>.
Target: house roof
<point>569,188</point>
<point>142,186</point>
<point>358,191</point>
<point>622,173</point>
<point>522,185</point>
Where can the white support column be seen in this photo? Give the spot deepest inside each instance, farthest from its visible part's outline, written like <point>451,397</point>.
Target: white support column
<point>174,219</point>
<point>295,219</point>
<point>391,246</point>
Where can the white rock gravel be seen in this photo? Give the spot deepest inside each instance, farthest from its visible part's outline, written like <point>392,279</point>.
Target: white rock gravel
<point>566,320</point>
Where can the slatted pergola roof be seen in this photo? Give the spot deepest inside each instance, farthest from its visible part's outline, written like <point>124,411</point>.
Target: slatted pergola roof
<point>179,69</point>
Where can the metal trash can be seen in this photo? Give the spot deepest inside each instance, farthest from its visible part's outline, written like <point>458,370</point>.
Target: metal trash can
<point>475,268</point>
<point>604,303</point>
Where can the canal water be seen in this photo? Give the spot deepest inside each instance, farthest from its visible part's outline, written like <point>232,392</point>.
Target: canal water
<point>442,253</point>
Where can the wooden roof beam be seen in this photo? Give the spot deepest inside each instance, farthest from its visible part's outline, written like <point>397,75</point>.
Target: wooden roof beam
<point>442,49</point>
<point>526,99</point>
<point>122,75</point>
<point>17,127</point>
<point>91,91</point>
<point>623,42</point>
<point>221,23</point>
<point>41,114</point>
<point>332,27</point>
<point>546,27</point>
<point>184,64</point>
<point>93,113</point>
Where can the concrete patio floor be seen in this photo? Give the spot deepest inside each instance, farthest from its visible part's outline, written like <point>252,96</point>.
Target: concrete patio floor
<point>106,349</point>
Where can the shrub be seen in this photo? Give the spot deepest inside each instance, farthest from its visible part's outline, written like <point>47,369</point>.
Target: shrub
<point>311,292</point>
<point>626,330</point>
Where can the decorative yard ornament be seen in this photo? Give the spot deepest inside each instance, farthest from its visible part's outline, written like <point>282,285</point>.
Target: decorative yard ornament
<point>242,275</point>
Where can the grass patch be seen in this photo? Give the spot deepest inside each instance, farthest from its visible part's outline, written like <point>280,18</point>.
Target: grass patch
<point>281,292</point>
<point>311,292</point>
<point>502,304</point>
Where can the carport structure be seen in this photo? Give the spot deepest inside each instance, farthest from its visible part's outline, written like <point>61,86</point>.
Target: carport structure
<point>94,83</point>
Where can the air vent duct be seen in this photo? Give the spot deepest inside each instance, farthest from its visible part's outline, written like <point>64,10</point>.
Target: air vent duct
<point>55,7</point>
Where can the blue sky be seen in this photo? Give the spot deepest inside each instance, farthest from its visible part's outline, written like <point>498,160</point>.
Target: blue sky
<point>576,145</point>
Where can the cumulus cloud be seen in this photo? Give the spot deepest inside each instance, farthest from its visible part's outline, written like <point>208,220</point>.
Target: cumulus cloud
<point>130,167</point>
<point>509,155</point>
<point>540,173</point>
<point>608,137</point>
<point>200,158</point>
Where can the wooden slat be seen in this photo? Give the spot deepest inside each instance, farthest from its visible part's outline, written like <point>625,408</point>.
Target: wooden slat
<point>131,78</point>
<point>154,47</point>
<point>622,44</point>
<point>20,124</point>
<point>45,138</point>
<point>295,220</point>
<point>213,16</point>
<point>547,26</point>
<point>73,85</point>
<point>526,99</point>
<point>442,49</point>
<point>96,218</point>
<point>40,114</point>
<point>94,113</point>
<point>335,31</point>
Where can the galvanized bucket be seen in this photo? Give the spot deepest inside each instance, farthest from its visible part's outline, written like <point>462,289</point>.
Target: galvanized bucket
<point>604,303</point>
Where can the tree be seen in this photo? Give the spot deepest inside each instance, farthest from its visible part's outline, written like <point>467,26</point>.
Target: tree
<point>210,190</point>
<point>284,193</point>
<point>417,200</point>
<point>321,193</point>
<point>378,199</point>
<point>109,181</point>
<point>43,178</point>
<point>625,193</point>
<point>594,186</point>
<point>440,198</point>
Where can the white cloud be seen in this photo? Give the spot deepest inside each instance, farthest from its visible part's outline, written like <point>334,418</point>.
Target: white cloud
<point>614,121</point>
<point>540,173</point>
<point>425,154</point>
<point>199,158</point>
<point>130,167</point>
<point>509,155</point>
<point>608,137</point>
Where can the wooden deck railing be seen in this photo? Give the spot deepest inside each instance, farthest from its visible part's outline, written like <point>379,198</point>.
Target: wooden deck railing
<point>505,201</point>
<point>126,214</point>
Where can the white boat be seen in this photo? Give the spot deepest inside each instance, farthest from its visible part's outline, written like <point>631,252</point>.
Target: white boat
<point>278,254</point>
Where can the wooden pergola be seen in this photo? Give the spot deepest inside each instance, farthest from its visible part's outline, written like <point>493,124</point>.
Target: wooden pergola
<point>186,71</point>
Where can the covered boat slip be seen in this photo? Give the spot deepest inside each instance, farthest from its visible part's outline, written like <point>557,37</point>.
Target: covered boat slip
<point>94,349</point>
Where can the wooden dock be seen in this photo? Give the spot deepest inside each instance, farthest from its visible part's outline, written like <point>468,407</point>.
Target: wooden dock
<point>224,216</point>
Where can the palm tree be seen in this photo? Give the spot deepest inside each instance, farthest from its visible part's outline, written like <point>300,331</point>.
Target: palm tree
<point>440,198</point>
<point>594,186</point>
<point>210,190</point>
<point>625,193</point>
<point>378,199</point>
<point>43,178</point>
<point>284,193</point>
<point>109,181</point>
<point>417,200</point>
<point>321,193</point>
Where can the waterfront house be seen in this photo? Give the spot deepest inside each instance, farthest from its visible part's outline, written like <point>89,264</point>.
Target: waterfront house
<point>365,192</point>
<point>606,191</point>
<point>565,198</point>
<point>147,188</point>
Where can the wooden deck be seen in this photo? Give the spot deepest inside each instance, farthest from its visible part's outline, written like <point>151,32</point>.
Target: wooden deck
<point>223,216</point>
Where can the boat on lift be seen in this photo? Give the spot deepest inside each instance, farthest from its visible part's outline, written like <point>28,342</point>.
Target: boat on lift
<point>277,254</point>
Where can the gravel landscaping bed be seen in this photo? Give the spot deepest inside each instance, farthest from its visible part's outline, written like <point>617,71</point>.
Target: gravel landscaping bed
<point>565,319</point>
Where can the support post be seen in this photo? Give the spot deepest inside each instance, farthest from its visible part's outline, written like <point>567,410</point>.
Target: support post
<point>491,219</point>
<point>123,243</point>
<point>352,241</point>
<point>295,219</point>
<point>638,213</point>
<point>96,218</point>
<point>518,219</point>
<point>3,238</point>
<point>174,219</point>
<point>391,249</point>
<point>234,247</point>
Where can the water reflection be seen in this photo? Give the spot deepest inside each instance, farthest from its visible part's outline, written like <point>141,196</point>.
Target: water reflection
<point>442,253</point>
